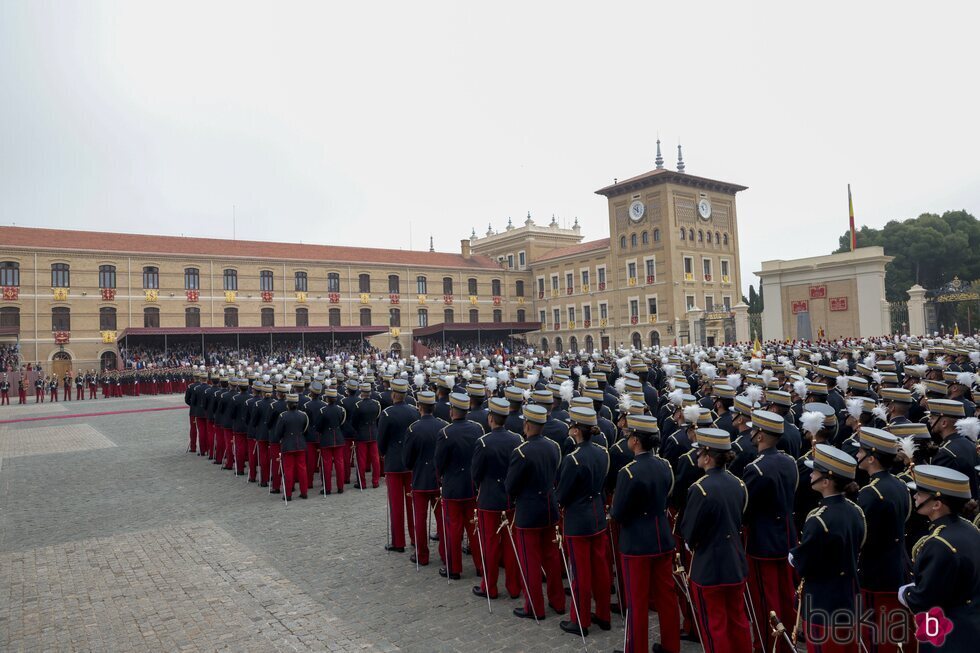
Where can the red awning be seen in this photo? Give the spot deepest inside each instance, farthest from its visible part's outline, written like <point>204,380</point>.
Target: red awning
<point>474,327</point>
<point>222,331</point>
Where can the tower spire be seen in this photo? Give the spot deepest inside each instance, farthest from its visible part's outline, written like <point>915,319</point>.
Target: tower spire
<point>660,158</point>
<point>680,159</point>
<point>432,247</point>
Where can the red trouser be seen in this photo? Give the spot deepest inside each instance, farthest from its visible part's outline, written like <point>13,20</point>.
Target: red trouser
<point>54,395</point>
<point>332,459</point>
<point>421,500</point>
<point>589,566</point>
<point>66,395</point>
<point>203,443</point>
<point>118,391</point>
<point>886,633</point>
<point>497,546</point>
<point>264,461</point>
<point>4,398</point>
<point>399,486</point>
<point>294,469</point>
<point>367,453</point>
<point>771,588</point>
<point>240,453</point>
<point>192,433</point>
<point>79,393</point>
<point>219,443</point>
<point>274,466</point>
<point>253,457</point>
<point>536,548</point>
<point>39,396</point>
<point>820,639</point>
<point>106,390</point>
<point>722,618</point>
<point>650,579</point>
<point>458,514</point>
<point>311,461</point>
<point>22,397</point>
<point>91,391</point>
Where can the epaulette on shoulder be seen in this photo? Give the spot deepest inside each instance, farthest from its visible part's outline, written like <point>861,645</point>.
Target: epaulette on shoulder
<point>554,443</point>
<point>626,468</point>
<point>935,535</point>
<point>572,456</point>
<point>480,440</point>
<point>697,484</point>
<point>871,486</point>
<point>519,447</point>
<point>740,481</point>
<point>945,447</point>
<point>815,514</point>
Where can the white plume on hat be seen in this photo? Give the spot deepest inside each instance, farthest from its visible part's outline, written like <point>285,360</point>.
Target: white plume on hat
<point>419,380</point>
<point>754,394</point>
<point>490,383</point>
<point>767,376</point>
<point>815,358</point>
<point>503,376</point>
<point>907,445</point>
<point>670,370</point>
<point>974,357</point>
<point>966,378</point>
<point>842,383</point>
<point>734,380</point>
<point>567,390</point>
<point>880,412</point>
<point>900,356</point>
<point>708,371</point>
<point>691,414</point>
<point>532,378</point>
<point>968,427</point>
<point>451,381</point>
<point>546,372</point>
<point>841,364</point>
<point>799,387</point>
<point>555,361</point>
<point>676,397</point>
<point>811,421</point>
<point>620,385</point>
<point>855,406</point>
<point>527,394</point>
<point>624,404</point>
<point>919,389</point>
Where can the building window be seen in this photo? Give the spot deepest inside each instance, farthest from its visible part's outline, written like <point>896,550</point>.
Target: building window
<point>644,238</point>
<point>365,317</point>
<point>364,283</point>
<point>709,237</point>
<point>724,269</point>
<point>394,284</point>
<point>498,315</point>
<point>587,312</point>
<point>448,317</point>
<point>589,344</point>
<point>651,306</point>
<point>543,317</point>
<point>510,261</point>
<point>265,281</point>
<point>421,285</point>
<point>571,315</point>
<point>633,240</point>
<point>192,317</point>
<point>423,317</point>
<point>9,273</point>
<point>333,317</point>
<point>569,281</point>
<point>700,236</point>
<point>521,315</point>
<point>107,276</point>
<point>726,301</point>
<point>622,242</point>
<point>554,282</point>
<point>689,302</point>
<point>603,311</point>
<point>60,275</point>
<point>231,283</point>
<point>602,277</point>
<point>301,283</point>
<point>683,234</point>
<point>651,265</point>
<point>631,269</point>
<point>585,278</point>
<point>495,288</point>
<point>10,317</point>
<point>656,235</point>
<point>60,318</point>
<point>302,317</point>
<point>333,282</point>
<point>231,316</point>
<point>107,318</point>
<point>474,315</point>
<point>556,313</point>
<point>558,345</point>
<point>688,267</point>
<point>394,317</point>
<point>519,288</point>
<point>634,308</point>
<point>447,285</point>
<point>690,235</point>
<point>521,260</point>
<point>151,317</point>
<point>717,238</point>
<point>725,237</point>
<point>709,303</point>
<point>151,277</point>
<point>706,268</point>
<point>472,286</point>
<point>192,279</point>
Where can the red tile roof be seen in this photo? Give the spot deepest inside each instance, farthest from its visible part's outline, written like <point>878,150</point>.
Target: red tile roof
<point>97,241</point>
<point>581,248</point>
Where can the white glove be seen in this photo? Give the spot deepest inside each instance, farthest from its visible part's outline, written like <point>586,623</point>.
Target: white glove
<point>901,593</point>
<point>791,560</point>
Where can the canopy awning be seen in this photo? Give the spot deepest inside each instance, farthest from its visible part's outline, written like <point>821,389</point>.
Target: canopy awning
<point>489,328</point>
<point>257,331</point>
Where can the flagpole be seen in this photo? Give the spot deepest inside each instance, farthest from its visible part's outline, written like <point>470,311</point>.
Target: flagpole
<point>850,211</point>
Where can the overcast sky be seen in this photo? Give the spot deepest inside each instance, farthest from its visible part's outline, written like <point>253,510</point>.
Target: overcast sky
<point>375,123</point>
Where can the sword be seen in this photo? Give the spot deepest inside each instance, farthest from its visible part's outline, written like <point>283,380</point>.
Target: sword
<point>616,569</point>
<point>504,523</point>
<point>282,482</point>
<point>680,577</point>
<point>750,608</point>
<point>446,543</point>
<point>578,616</point>
<point>483,557</point>
<point>415,522</point>
<point>779,630</point>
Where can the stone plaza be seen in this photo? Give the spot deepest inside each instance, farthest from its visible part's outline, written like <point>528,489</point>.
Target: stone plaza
<point>112,538</point>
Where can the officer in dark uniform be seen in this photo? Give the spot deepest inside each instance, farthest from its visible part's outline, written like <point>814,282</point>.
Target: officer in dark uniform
<point>884,564</point>
<point>603,420</point>
<point>453,461</point>
<point>827,556</point>
<point>711,526</point>
<point>251,441</point>
<point>192,416</point>
<point>599,439</point>
<point>239,426</point>
<point>92,381</point>
<point>441,408</point>
<point>261,416</point>
<point>38,390</point>
<point>946,563</point>
<point>418,456</point>
<point>646,545</point>
<point>290,434</point>
<point>392,432</point>
<point>722,401</point>
<point>491,456</point>
<point>367,412</point>
<point>349,404</point>
<point>53,388</point>
<point>478,413</point>
<point>276,409</point>
<point>957,451</point>
<point>66,382</point>
<point>791,442</point>
<point>312,408</point>
<point>553,429</point>
<point>515,420</point>
<point>819,425</point>
<point>4,391</point>
<point>222,418</point>
<point>79,386</point>
<point>743,446</point>
<point>330,428</point>
<point>530,481</point>
<point>581,478</point>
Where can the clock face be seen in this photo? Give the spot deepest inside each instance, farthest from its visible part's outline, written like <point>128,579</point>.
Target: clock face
<point>636,210</point>
<point>704,208</point>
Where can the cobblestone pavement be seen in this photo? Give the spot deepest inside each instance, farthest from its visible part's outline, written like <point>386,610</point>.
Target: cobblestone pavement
<point>113,538</point>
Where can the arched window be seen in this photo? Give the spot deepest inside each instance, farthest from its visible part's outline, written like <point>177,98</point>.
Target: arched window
<point>622,242</point>
<point>544,346</point>
<point>192,317</point>
<point>9,273</point>
<point>334,317</point>
<point>656,235</point>
<point>632,244</point>
<point>365,317</point>
<point>423,317</point>
<point>10,317</point>
<point>60,275</point>
<point>474,315</point>
<point>589,344</point>
<point>192,279</point>
<point>558,345</point>
<point>709,237</point>
<point>268,317</point>
<point>519,288</point>
<point>301,282</point>
<point>422,285</point>
<point>107,318</point>
<point>573,345</point>
<point>231,283</point>
<point>498,315</point>
<point>151,277</point>
<point>302,317</point>
<point>61,318</point>
<point>690,235</point>
<point>333,282</point>
<point>448,316</point>
<point>107,276</point>
<point>495,288</point>
<point>471,286</point>
<point>637,341</point>
<point>717,238</point>
<point>364,283</point>
<point>654,338</point>
<point>265,281</point>
<point>683,234</point>
<point>725,237</point>
<point>108,360</point>
<point>644,238</point>
<point>151,317</point>
<point>231,316</point>
<point>700,236</point>
<point>394,284</point>
<point>521,315</point>
<point>447,285</point>
<point>394,317</point>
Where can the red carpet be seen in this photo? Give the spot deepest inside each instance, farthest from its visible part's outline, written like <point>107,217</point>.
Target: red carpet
<point>110,412</point>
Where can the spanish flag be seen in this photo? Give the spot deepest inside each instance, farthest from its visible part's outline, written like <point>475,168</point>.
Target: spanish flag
<point>850,209</point>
